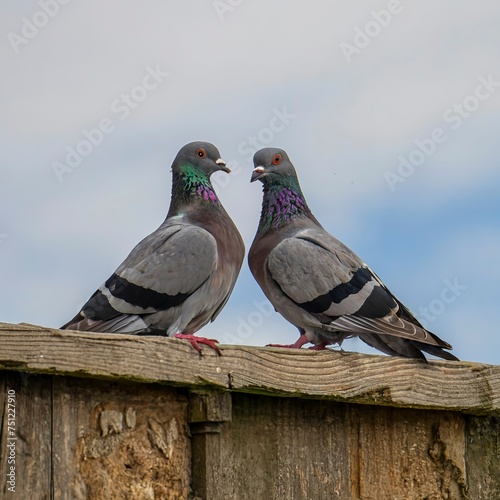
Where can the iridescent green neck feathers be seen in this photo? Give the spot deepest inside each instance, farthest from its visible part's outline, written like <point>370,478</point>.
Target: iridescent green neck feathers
<point>190,185</point>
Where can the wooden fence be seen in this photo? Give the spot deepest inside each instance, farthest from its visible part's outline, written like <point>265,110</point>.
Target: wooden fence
<point>103,416</point>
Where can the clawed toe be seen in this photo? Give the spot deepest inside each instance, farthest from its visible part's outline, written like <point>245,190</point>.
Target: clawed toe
<point>195,341</point>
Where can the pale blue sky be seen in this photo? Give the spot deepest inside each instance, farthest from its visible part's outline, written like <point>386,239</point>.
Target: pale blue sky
<point>348,89</point>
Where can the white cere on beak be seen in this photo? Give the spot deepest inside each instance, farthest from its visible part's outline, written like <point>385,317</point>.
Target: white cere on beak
<point>222,165</point>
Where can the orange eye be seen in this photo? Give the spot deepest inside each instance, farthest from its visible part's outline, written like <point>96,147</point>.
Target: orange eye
<point>201,153</point>
<point>277,159</point>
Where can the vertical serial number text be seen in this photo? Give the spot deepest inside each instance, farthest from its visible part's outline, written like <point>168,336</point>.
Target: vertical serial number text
<point>11,440</point>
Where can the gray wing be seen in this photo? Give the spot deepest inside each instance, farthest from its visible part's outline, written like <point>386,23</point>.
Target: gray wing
<point>161,272</point>
<point>173,260</point>
<point>323,277</point>
<point>317,276</point>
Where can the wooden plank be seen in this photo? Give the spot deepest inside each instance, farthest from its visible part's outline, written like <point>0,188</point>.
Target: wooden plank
<point>278,448</point>
<point>28,447</point>
<point>207,414</point>
<point>377,380</point>
<point>410,454</point>
<point>99,355</point>
<point>123,440</point>
<point>483,457</point>
<point>283,448</point>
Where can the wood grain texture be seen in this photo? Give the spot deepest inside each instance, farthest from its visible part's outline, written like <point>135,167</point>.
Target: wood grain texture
<point>32,450</point>
<point>119,441</point>
<point>359,378</point>
<point>483,457</point>
<point>208,412</point>
<point>298,449</point>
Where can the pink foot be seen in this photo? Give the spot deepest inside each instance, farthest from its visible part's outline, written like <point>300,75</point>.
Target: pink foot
<point>300,342</point>
<point>297,345</point>
<point>195,341</point>
<point>318,347</point>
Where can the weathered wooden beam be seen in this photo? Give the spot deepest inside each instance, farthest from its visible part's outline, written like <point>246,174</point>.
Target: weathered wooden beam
<point>357,378</point>
<point>25,431</point>
<point>207,413</point>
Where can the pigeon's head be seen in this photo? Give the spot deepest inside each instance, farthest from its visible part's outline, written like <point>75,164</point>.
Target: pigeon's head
<point>271,164</point>
<point>201,155</point>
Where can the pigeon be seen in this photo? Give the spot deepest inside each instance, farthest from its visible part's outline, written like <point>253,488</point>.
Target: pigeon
<point>179,277</point>
<point>316,282</point>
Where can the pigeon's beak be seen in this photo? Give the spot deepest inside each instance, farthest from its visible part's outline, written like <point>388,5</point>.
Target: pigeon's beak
<point>222,165</point>
<point>257,173</point>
